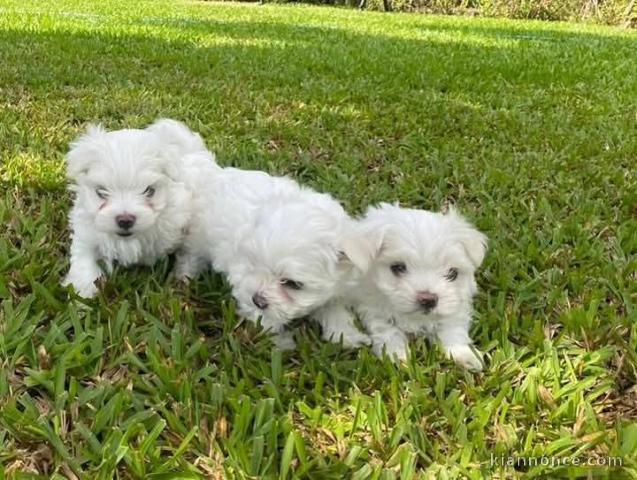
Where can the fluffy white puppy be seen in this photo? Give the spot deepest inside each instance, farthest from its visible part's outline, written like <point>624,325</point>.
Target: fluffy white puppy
<point>419,280</point>
<point>133,200</point>
<point>282,247</point>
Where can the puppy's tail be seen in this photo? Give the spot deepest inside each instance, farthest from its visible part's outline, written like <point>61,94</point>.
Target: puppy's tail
<point>177,139</point>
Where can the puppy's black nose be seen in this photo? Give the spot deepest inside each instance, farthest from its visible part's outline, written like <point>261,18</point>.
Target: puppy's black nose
<point>260,301</point>
<point>125,221</point>
<point>427,300</point>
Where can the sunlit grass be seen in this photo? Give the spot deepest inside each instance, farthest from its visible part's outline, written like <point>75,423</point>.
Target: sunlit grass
<point>529,127</point>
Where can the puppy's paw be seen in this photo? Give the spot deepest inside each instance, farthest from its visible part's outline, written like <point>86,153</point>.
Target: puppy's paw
<point>351,338</point>
<point>355,339</point>
<point>187,267</point>
<point>182,273</point>
<point>284,341</point>
<point>398,352</point>
<point>466,357</point>
<point>84,287</point>
<point>179,278</point>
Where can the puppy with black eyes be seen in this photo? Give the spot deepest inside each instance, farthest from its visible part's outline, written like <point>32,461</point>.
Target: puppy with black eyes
<point>282,247</point>
<point>133,196</point>
<point>419,280</point>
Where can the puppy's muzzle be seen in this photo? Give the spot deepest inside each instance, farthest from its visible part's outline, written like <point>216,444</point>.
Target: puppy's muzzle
<point>260,301</point>
<point>427,301</point>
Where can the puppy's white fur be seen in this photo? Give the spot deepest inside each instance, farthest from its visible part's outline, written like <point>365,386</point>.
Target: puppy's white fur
<point>146,174</point>
<point>431,246</point>
<point>276,240</point>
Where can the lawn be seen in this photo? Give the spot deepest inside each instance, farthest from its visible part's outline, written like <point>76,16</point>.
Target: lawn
<point>531,128</point>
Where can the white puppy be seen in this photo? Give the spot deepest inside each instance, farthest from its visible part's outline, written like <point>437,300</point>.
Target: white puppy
<point>282,247</point>
<point>419,280</point>
<point>133,200</point>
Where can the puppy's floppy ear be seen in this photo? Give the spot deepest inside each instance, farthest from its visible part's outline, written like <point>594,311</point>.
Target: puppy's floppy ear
<point>473,241</point>
<point>361,244</point>
<point>84,151</point>
<point>175,138</point>
<point>175,141</point>
<point>172,169</point>
<point>180,169</point>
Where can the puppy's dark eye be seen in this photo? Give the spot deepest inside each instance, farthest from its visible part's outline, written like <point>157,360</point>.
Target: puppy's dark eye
<point>452,274</point>
<point>149,192</point>
<point>291,284</point>
<point>398,268</point>
<point>101,192</point>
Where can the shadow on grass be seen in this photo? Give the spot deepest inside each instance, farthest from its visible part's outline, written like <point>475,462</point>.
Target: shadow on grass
<point>302,63</point>
<point>320,102</point>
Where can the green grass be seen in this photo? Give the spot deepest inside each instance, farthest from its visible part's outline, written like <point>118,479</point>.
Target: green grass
<point>530,127</point>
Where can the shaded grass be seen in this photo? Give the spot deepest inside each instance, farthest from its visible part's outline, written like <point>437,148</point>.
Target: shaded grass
<point>529,127</point>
